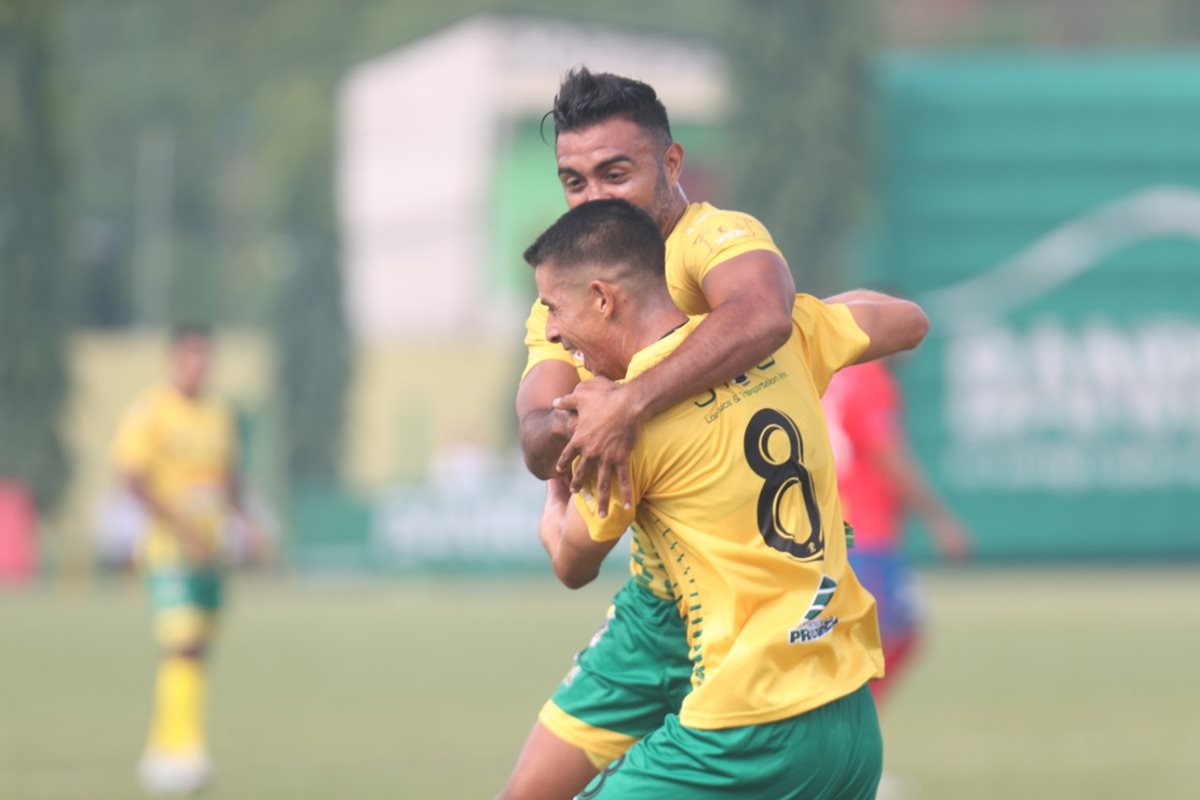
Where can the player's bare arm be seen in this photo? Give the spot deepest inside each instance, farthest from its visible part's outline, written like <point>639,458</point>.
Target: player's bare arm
<point>892,324</point>
<point>261,546</point>
<point>751,297</point>
<point>901,467</point>
<point>575,556</point>
<point>545,429</point>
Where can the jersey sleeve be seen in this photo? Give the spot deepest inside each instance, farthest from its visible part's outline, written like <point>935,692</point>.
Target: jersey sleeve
<point>718,236</point>
<point>133,447</point>
<point>829,336</point>
<point>603,529</point>
<point>540,348</point>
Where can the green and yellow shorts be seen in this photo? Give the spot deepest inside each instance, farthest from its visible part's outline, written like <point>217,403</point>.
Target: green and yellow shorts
<point>834,752</point>
<point>185,603</point>
<point>633,674</point>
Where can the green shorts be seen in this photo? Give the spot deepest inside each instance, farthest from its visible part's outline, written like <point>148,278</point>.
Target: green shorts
<point>175,587</point>
<point>634,673</point>
<point>185,603</point>
<point>834,752</point>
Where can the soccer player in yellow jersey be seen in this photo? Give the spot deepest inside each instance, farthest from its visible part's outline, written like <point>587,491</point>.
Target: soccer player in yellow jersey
<point>175,450</point>
<point>736,488</point>
<point>613,140</point>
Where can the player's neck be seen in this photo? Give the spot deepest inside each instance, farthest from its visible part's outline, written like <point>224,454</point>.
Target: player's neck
<point>655,320</point>
<point>679,207</point>
<point>192,393</point>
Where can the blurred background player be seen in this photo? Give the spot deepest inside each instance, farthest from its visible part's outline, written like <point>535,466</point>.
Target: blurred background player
<point>176,451</point>
<point>880,481</point>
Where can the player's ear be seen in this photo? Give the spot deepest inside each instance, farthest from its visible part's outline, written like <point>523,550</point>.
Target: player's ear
<point>602,295</point>
<point>673,162</point>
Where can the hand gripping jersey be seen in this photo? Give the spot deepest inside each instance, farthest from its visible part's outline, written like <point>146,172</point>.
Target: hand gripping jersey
<point>737,490</point>
<point>704,238</point>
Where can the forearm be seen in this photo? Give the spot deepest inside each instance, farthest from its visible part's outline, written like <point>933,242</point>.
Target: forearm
<point>545,430</point>
<point>234,496</point>
<point>550,531</point>
<point>722,347</point>
<point>909,480</point>
<point>572,571</point>
<point>856,296</point>
<point>544,434</point>
<point>891,324</point>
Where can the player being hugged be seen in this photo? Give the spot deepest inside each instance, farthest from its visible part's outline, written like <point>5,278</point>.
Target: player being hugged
<point>736,488</point>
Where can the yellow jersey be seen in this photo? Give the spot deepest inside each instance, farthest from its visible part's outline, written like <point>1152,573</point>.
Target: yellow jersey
<point>184,448</point>
<point>703,238</point>
<point>737,490</point>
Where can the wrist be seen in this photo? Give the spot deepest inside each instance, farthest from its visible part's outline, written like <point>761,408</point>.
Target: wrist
<point>637,399</point>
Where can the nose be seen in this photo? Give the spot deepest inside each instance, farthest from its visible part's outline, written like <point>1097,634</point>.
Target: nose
<point>596,191</point>
<point>552,334</point>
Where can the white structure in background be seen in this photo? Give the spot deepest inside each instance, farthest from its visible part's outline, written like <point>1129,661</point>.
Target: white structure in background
<point>418,134</point>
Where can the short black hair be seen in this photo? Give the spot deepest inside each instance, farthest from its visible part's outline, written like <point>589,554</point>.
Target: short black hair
<point>603,233</point>
<point>586,98</point>
<point>188,330</point>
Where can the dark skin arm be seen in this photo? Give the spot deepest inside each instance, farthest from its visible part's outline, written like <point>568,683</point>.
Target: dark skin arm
<point>261,546</point>
<point>545,429</point>
<point>898,463</point>
<point>751,297</point>
<point>890,323</point>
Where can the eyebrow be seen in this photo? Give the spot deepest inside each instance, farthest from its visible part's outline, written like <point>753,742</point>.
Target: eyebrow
<point>603,165</point>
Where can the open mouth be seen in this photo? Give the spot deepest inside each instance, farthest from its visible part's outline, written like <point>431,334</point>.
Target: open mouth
<point>575,352</point>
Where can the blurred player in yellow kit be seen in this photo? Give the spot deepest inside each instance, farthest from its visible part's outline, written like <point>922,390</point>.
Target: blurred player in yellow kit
<point>736,488</point>
<point>176,453</point>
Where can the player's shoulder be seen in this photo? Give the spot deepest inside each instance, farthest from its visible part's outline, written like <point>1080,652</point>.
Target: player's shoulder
<point>218,406</point>
<point>808,312</point>
<point>703,218</point>
<point>151,400</point>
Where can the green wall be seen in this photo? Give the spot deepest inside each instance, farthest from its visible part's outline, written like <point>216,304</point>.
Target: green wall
<point>1046,210</point>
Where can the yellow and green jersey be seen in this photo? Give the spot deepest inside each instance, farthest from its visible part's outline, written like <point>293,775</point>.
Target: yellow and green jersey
<point>704,238</point>
<point>736,488</point>
<point>184,449</point>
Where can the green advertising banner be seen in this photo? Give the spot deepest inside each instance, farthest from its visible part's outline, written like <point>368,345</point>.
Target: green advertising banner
<point>1046,212</point>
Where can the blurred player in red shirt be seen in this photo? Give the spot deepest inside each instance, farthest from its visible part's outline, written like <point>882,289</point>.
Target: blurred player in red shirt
<point>880,481</point>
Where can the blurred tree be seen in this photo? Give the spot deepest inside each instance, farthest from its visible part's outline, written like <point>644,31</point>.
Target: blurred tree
<point>33,374</point>
<point>309,326</point>
<point>1183,22</point>
<point>314,361</point>
<point>801,81</point>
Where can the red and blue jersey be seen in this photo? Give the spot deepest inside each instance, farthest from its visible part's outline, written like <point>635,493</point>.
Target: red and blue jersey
<point>863,410</point>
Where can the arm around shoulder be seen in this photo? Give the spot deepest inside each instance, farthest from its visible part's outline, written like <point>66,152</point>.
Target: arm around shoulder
<point>891,324</point>
<point>545,429</point>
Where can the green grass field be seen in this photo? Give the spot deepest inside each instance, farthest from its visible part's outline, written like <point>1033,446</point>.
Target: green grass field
<point>1034,684</point>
